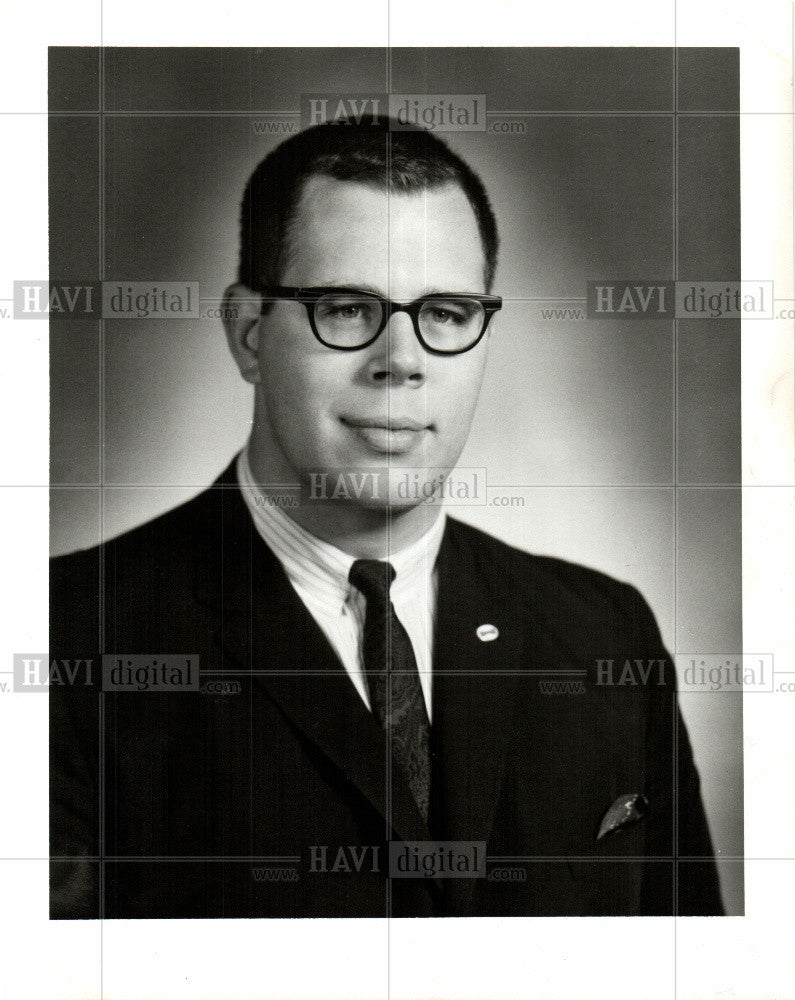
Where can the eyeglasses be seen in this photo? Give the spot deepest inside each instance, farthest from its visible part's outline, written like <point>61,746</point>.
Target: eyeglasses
<point>348,319</point>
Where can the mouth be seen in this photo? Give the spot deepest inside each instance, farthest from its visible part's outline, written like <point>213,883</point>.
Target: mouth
<point>389,436</point>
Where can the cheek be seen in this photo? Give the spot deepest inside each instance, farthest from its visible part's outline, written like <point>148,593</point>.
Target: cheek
<point>459,389</point>
<point>301,391</point>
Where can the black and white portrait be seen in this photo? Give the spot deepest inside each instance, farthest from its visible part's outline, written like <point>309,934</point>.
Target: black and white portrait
<point>395,460</point>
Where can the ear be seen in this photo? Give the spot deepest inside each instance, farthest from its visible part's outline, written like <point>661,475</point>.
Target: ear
<point>241,314</point>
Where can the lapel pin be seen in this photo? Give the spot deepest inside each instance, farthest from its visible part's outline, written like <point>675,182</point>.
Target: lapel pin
<point>487,633</point>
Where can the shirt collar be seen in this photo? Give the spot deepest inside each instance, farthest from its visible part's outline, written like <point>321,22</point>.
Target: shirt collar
<point>323,568</point>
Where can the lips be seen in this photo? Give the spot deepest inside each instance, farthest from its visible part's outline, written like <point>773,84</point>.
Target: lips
<point>390,424</point>
<point>392,436</point>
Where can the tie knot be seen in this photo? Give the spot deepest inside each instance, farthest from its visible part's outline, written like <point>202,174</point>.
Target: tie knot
<point>373,578</point>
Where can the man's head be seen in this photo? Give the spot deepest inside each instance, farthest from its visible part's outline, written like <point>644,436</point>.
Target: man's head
<point>395,213</point>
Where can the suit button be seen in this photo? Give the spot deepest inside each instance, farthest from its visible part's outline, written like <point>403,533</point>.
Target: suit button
<point>487,633</point>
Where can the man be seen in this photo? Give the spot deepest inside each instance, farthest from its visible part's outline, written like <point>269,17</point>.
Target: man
<point>388,719</point>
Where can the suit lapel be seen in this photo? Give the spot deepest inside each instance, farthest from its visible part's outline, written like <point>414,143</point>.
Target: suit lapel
<point>473,689</point>
<point>476,688</point>
<point>267,629</point>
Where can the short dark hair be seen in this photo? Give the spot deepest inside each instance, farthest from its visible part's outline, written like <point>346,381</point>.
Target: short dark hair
<point>371,151</point>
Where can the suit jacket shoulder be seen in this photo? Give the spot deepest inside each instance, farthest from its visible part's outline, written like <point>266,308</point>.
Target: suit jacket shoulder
<point>569,598</point>
<point>168,557</point>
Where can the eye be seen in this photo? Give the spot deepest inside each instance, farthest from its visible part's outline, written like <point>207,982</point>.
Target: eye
<point>443,314</point>
<point>344,309</point>
<point>350,311</point>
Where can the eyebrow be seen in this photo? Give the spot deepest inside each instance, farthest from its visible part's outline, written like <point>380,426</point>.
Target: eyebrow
<point>359,287</point>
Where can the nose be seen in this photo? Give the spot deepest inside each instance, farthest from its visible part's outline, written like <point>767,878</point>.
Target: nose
<point>397,356</point>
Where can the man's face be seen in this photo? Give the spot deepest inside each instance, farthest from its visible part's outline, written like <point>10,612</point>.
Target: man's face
<point>390,406</point>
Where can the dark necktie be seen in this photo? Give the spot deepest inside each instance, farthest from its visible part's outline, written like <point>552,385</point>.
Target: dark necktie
<point>393,681</point>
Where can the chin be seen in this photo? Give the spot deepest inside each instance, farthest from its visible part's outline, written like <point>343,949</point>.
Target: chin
<point>394,504</point>
<point>393,489</point>
<point>408,489</point>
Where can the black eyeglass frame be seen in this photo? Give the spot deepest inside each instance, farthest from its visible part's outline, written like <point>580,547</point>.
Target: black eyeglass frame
<point>311,296</point>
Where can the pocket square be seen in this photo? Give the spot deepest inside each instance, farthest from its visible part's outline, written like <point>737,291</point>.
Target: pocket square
<point>626,810</point>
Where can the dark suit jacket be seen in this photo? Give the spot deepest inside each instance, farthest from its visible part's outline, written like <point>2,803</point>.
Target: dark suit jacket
<point>171,804</point>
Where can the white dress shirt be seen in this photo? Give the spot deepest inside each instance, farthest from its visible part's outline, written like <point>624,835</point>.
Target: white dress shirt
<point>319,572</point>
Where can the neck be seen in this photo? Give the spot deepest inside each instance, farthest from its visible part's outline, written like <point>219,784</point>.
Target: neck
<point>363,532</point>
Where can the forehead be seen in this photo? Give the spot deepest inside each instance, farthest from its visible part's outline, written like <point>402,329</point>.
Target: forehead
<point>354,233</point>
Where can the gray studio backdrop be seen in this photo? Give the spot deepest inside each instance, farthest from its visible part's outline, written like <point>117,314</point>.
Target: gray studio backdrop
<point>614,444</point>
